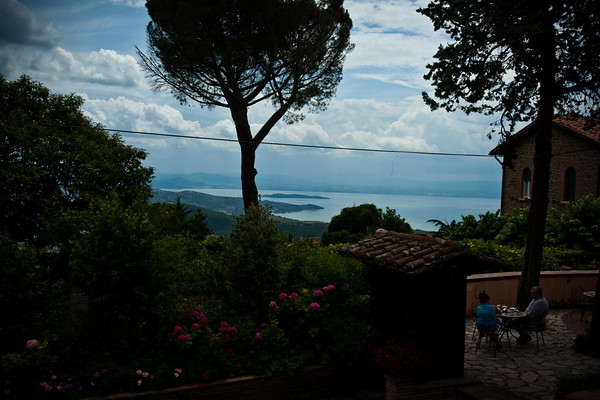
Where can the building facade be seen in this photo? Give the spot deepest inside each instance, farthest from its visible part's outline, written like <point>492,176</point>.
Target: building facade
<point>574,167</point>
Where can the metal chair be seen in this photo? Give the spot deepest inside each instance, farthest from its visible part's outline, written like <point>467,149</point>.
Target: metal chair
<point>539,331</point>
<point>580,301</point>
<point>490,336</point>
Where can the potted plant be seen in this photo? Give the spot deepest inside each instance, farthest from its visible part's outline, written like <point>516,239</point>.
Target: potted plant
<point>402,362</point>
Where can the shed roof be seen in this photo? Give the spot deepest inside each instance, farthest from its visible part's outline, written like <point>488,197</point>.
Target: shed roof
<point>587,128</point>
<point>409,253</point>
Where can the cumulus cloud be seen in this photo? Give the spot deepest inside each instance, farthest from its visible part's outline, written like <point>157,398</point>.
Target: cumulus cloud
<point>18,25</point>
<point>103,67</point>
<point>128,3</point>
<point>393,42</point>
<point>126,114</point>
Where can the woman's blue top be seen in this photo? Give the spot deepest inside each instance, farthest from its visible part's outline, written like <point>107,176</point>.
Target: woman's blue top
<point>486,318</point>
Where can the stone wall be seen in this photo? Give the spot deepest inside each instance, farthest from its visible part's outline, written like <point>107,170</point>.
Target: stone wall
<point>568,151</point>
<point>557,287</point>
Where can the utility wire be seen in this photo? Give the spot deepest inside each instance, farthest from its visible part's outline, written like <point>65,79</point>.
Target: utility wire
<point>310,146</point>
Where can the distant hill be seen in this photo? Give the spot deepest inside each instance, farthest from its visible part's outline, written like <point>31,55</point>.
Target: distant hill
<point>338,183</point>
<point>228,205</point>
<point>219,210</point>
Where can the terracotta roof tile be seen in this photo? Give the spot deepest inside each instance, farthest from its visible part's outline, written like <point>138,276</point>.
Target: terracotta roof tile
<point>404,252</point>
<point>587,127</point>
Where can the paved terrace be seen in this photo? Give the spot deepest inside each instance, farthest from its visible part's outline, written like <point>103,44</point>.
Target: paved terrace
<point>524,371</point>
<point>527,372</point>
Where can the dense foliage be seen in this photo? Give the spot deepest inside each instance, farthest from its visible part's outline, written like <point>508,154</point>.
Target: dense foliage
<point>104,292</point>
<point>572,237</point>
<point>53,159</point>
<point>355,223</point>
<point>523,61</point>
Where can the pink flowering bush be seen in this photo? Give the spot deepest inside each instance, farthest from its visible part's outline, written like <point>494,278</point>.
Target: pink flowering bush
<point>321,324</point>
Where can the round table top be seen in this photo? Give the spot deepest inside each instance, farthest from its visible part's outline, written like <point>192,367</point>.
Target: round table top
<point>512,314</point>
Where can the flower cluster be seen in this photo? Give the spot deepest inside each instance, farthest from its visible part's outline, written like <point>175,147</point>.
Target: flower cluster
<point>143,375</point>
<point>400,358</point>
<point>227,331</point>
<point>199,320</point>
<point>69,384</point>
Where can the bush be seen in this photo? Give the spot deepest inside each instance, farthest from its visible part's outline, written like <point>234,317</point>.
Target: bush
<point>552,258</point>
<point>486,227</point>
<point>355,223</point>
<point>573,383</point>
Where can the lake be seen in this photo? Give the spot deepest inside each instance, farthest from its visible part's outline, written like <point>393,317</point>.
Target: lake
<point>415,209</point>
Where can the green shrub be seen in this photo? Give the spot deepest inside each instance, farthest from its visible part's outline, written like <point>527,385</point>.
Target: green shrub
<point>355,223</point>
<point>574,383</point>
<point>552,258</point>
<point>486,227</point>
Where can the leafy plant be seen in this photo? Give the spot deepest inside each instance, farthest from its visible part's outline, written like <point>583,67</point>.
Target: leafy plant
<point>400,358</point>
<point>574,383</point>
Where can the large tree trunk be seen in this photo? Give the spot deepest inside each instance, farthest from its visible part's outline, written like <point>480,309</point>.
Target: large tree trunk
<point>536,220</point>
<point>538,209</point>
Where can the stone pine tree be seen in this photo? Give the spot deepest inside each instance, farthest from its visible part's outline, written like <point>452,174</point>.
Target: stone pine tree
<point>521,60</point>
<point>238,53</point>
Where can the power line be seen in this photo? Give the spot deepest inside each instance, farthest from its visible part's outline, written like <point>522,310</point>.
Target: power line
<point>310,146</point>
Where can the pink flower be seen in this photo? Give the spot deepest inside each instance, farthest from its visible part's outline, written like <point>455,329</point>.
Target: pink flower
<point>178,329</point>
<point>195,325</point>
<point>223,323</point>
<point>264,325</point>
<point>183,338</point>
<point>329,288</point>
<point>139,372</point>
<point>283,296</point>
<point>258,335</point>
<point>314,306</point>
<point>139,382</point>
<point>273,304</point>
<point>294,295</point>
<point>32,344</point>
<point>145,374</point>
<point>318,293</point>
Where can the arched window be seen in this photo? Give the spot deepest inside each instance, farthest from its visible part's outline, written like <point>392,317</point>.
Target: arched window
<point>570,184</point>
<point>526,187</point>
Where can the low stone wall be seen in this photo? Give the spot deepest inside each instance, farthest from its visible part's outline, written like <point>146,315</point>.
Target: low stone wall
<point>557,286</point>
<point>311,382</point>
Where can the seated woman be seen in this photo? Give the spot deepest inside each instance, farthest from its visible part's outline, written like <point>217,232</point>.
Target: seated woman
<point>486,316</point>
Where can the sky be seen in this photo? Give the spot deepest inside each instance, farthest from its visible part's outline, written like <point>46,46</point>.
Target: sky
<point>87,47</point>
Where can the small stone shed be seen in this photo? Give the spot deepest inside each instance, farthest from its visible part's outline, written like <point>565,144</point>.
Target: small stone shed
<point>419,293</point>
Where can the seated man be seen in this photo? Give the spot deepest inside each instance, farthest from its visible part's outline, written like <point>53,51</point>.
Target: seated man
<point>535,315</point>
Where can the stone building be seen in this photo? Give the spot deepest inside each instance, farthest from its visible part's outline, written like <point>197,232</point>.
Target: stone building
<point>574,168</point>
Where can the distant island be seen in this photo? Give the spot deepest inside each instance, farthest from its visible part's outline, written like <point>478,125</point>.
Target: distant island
<point>228,205</point>
<point>294,196</point>
<point>219,212</point>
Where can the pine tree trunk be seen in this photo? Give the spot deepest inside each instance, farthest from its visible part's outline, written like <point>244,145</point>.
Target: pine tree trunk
<point>249,189</point>
<point>248,146</point>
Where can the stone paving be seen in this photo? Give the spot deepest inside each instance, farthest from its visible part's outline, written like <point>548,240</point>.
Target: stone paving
<point>526,371</point>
